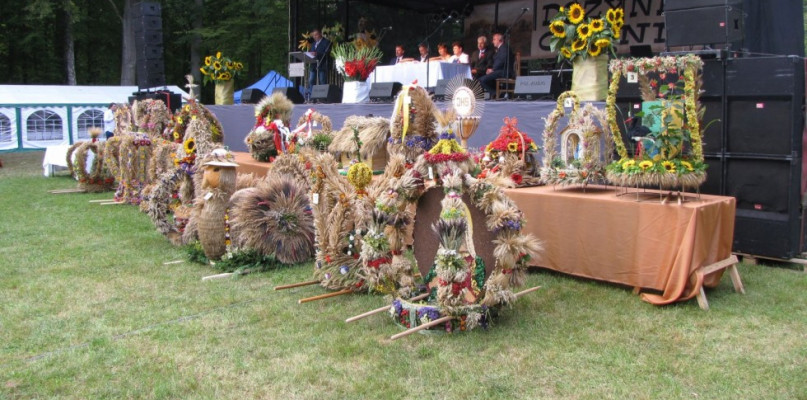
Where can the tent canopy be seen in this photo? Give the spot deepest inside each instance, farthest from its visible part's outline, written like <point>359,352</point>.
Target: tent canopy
<point>266,84</point>
<point>59,94</point>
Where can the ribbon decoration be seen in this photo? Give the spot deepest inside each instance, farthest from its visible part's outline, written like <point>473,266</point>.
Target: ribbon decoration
<point>402,105</point>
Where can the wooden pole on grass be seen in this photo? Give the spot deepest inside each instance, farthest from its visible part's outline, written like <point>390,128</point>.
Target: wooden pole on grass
<point>294,285</point>
<point>64,191</point>
<point>324,296</point>
<point>382,309</point>
<point>427,325</point>
<point>102,200</point>
<point>525,291</point>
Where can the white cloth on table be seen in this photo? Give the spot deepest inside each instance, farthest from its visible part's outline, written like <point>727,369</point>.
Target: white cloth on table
<point>406,73</point>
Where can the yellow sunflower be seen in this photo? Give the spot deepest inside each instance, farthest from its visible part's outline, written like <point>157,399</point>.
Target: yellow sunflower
<point>645,165</point>
<point>669,166</point>
<point>208,60</point>
<point>687,165</point>
<point>512,147</point>
<point>597,25</point>
<point>619,14</point>
<point>610,16</point>
<point>217,65</point>
<point>176,135</point>
<point>218,54</point>
<point>190,146</point>
<point>576,13</point>
<point>204,71</point>
<point>583,31</point>
<point>578,44</point>
<point>558,29</point>
<point>594,50</point>
<point>628,164</point>
<point>617,29</point>
<point>239,66</point>
<point>225,76</point>
<point>565,52</point>
<point>602,43</point>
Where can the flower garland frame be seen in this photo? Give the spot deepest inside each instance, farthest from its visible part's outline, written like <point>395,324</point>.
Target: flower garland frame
<point>669,173</point>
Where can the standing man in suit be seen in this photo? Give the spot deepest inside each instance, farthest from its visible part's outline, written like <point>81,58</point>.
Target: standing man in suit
<point>318,70</point>
<point>501,67</point>
<point>480,59</point>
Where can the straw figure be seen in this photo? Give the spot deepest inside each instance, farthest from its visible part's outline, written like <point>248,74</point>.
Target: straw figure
<point>269,137</point>
<point>412,126</point>
<point>314,130</point>
<point>209,218</point>
<point>95,178</point>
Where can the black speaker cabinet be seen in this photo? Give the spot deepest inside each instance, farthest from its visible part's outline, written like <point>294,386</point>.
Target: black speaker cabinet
<point>713,25</point>
<point>147,21</point>
<point>252,96</point>
<point>440,89</point>
<point>326,94</point>
<point>384,92</point>
<point>292,93</point>
<point>172,100</point>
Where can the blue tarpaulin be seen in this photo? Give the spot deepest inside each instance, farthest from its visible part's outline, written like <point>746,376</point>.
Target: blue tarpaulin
<point>266,84</point>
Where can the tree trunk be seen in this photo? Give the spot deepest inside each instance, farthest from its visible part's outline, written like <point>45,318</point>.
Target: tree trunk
<point>129,52</point>
<point>196,44</point>
<point>69,44</point>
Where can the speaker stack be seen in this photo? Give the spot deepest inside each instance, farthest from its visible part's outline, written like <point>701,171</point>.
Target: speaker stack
<point>147,19</point>
<point>384,92</point>
<point>326,94</point>
<point>753,145</point>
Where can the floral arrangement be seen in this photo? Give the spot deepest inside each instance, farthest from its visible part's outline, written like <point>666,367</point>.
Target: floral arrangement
<point>220,69</point>
<point>356,63</point>
<point>576,35</point>
<point>511,140</point>
<point>668,163</point>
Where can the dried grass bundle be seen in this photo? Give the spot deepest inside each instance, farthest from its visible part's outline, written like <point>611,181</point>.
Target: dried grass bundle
<point>275,218</point>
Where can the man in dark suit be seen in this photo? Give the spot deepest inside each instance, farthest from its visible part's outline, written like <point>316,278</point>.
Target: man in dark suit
<point>481,58</point>
<point>501,65</point>
<point>318,70</point>
<point>399,55</point>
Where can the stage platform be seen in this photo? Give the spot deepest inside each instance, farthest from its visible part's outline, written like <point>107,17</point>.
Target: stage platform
<point>237,120</point>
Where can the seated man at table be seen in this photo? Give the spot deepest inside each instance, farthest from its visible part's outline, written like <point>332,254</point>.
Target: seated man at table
<point>423,49</point>
<point>459,56</point>
<point>501,67</point>
<point>481,58</point>
<point>399,56</point>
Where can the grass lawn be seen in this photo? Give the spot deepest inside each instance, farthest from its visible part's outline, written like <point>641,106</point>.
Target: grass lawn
<point>88,310</point>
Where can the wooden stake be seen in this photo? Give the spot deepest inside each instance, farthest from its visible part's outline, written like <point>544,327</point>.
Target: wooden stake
<point>427,325</point>
<point>64,191</point>
<point>294,285</point>
<point>173,262</point>
<point>325,296</point>
<point>112,203</point>
<point>217,276</point>
<point>382,309</point>
<point>102,200</point>
<point>525,291</point>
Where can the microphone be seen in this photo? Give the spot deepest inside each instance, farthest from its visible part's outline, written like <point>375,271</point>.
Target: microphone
<point>448,18</point>
<point>389,28</point>
<point>525,9</point>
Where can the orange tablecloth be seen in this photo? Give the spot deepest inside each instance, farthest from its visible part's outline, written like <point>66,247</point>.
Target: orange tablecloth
<point>247,164</point>
<point>597,234</point>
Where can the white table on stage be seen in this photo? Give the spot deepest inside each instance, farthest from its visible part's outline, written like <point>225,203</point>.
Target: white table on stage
<point>406,73</point>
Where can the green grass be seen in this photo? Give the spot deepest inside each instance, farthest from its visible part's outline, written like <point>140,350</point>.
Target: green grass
<point>88,310</point>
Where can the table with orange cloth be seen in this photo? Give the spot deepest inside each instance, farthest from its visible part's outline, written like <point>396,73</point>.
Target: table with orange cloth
<point>645,244</point>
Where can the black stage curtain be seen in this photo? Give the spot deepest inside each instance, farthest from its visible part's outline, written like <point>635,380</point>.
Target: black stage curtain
<point>774,27</point>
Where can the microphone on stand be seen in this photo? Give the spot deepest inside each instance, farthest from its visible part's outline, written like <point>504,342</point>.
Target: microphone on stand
<point>525,9</point>
<point>388,28</point>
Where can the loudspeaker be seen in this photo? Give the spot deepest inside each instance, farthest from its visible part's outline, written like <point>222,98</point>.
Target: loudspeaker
<point>715,25</point>
<point>252,96</point>
<point>147,21</point>
<point>440,89</point>
<point>326,94</point>
<point>534,87</point>
<point>675,5</point>
<point>172,100</point>
<point>292,93</point>
<point>381,92</point>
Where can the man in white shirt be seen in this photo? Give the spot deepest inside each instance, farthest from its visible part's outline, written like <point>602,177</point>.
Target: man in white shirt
<point>109,121</point>
<point>424,53</point>
<point>459,56</point>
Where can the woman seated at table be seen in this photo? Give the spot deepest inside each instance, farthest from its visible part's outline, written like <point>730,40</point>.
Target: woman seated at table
<point>459,55</point>
<point>442,50</point>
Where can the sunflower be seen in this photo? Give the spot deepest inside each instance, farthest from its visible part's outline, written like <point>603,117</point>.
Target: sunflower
<point>619,15</point>
<point>597,25</point>
<point>602,42</point>
<point>576,13</point>
<point>208,60</point>
<point>224,76</point>
<point>558,29</point>
<point>594,50</point>
<point>645,165</point>
<point>565,52</point>
<point>578,44</point>
<point>617,29</point>
<point>189,145</point>
<point>176,135</point>
<point>512,147</point>
<point>687,165</point>
<point>239,66</point>
<point>218,54</point>
<point>669,166</point>
<point>583,31</point>
<point>217,65</point>
<point>610,16</point>
<point>204,71</point>
<point>628,164</point>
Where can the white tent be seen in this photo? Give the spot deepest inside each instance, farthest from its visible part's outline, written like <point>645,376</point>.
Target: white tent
<point>38,116</point>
